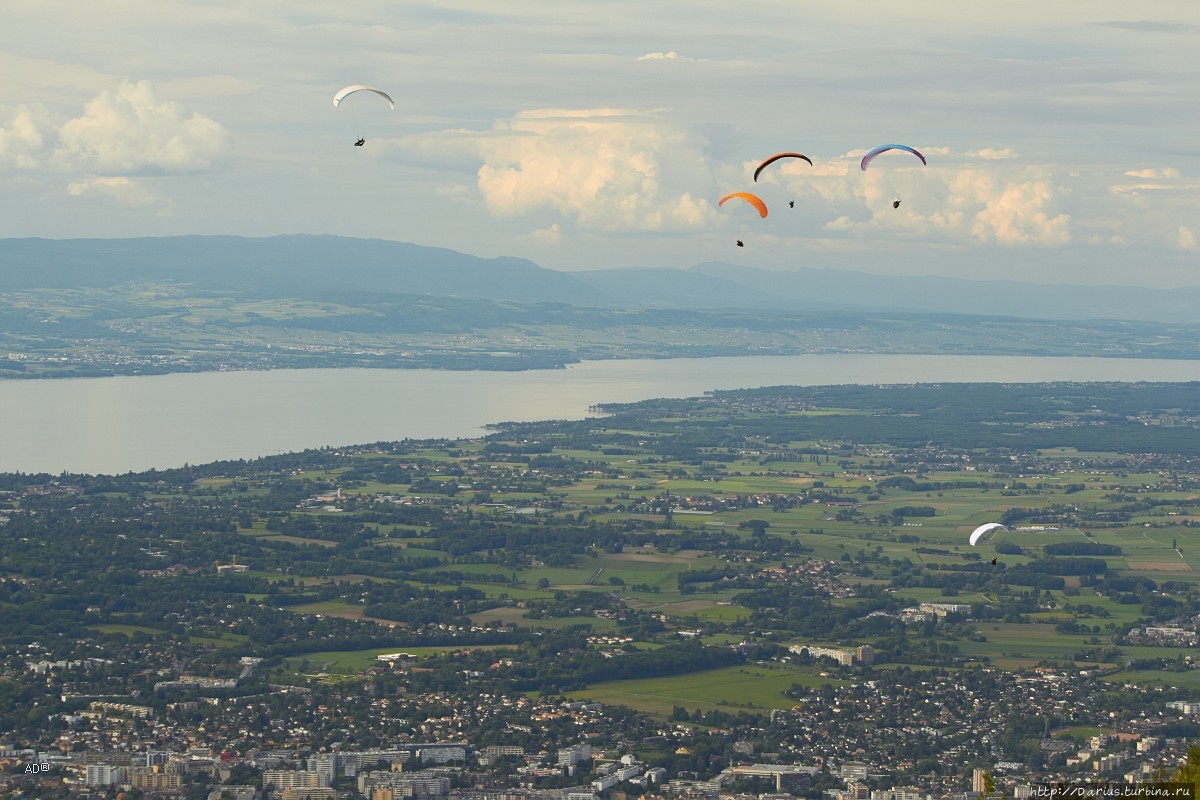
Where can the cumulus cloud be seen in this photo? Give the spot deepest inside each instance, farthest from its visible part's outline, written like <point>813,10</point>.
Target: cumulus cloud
<point>1187,238</point>
<point>549,236</point>
<point>838,168</point>
<point>22,138</point>
<point>455,192</point>
<point>966,197</point>
<point>1138,188</point>
<point>124,132</point>
<point>129,192</point>
<point>1152,172</point>
<point>982,154</point>
<point>128,132</point>
<point>1157,205</point>
<point>1019,213</point>
<point>608,169</point>
<point>670,54</point>
<point>976,196</point>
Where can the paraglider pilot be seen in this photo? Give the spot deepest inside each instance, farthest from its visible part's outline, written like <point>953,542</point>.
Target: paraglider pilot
<point>791,203</point>
<point>739,241</point>
<point>895,204</point>
<point>360,142</point>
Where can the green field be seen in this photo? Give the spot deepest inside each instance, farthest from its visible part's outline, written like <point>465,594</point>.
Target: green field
<point>127,630</point>
<point>517,616</point>
<point>225,639</point>
<point>330,608</point>
<point>352,662</point>
<point>1021,644</point>
<point>1156,677</point>
<point>728,689</point>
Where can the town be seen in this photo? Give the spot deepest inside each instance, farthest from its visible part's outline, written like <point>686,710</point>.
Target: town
<point>760,594</point>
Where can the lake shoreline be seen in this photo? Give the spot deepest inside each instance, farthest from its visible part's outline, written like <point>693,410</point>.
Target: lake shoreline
<point>7,375</point>
<point>132,423</point>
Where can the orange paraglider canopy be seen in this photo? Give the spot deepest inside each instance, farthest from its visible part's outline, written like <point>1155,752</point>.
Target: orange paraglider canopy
<point>753,200</point>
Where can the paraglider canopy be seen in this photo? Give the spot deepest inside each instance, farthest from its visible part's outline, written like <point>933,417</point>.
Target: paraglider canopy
<point>359,87</point>
<point>753,200</point>
<point>883,148</point>
<point>775,158</point>
<point>983,530</point>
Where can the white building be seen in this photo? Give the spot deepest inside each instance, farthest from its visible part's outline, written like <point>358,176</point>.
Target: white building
<point>104,775</point>
<point>289,778</point>
<point>570,756</point>
<point>897,793</point>
<point>605,782</point>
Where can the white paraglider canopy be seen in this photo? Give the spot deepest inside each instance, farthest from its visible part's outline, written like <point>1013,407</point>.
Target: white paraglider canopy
<point>359,87</point>
<point>983,530</point>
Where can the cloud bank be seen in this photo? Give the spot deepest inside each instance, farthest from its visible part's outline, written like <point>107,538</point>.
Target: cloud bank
<point>607,169</point>
<point>981,196</point>
<point>128,132</point>
<point>122,138</point>
<point>22,139</point>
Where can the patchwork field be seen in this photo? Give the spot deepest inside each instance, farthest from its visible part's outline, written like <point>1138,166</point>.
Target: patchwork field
<point>729,689</point>
<point>353,662</point>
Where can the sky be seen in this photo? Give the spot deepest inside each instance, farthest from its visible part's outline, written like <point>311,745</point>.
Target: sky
<point>1061,137</point>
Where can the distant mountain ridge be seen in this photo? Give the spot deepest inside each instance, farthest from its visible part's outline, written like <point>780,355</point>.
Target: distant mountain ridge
<point>283,266</point>
<point>868,292</point>
<point>307,266</point>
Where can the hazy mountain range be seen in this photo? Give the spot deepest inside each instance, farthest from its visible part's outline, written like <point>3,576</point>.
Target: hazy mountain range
<point>317,266</point>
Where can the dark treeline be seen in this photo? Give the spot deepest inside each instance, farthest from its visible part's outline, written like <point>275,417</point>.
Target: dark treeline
<point>555,673</point>
<point>966,416</point>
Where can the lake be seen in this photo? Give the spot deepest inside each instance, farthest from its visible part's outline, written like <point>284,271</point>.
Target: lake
<point>114,425</point>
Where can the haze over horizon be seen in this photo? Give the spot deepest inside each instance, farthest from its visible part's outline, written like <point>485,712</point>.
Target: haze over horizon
<point>585,136</point>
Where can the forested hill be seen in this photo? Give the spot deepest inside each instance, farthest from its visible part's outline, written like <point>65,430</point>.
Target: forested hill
<point>95,307</point>
<point>311,267</point>
<point>306,267</point>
